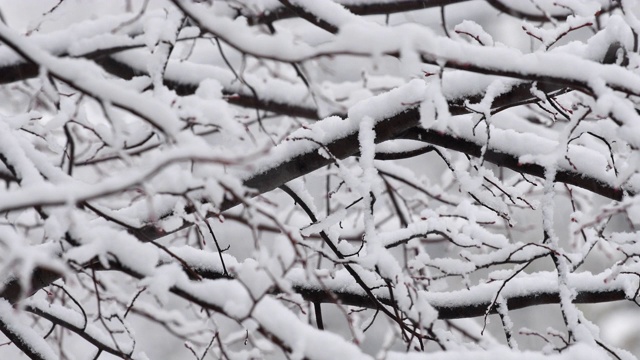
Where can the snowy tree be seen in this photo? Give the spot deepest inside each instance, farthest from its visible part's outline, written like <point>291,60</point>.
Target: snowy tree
<point>320,179</point>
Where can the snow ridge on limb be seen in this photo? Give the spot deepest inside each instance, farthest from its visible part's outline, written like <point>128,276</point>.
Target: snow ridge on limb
<point>393,238</point>
<point>23,336</point>
<point>526,11</point>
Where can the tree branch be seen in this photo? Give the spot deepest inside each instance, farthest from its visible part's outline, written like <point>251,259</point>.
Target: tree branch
<point>23,336</point>
<point>400,6</point>
<point>63,316</point>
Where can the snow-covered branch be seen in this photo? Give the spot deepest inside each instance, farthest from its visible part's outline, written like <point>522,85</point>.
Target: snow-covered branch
<point>320,179</point>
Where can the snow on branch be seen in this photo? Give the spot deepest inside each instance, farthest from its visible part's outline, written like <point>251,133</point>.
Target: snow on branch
<point>320,179</point>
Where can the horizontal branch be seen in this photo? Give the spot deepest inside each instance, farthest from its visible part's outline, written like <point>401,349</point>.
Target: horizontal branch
<point>364,8</point>
<point>543,16</point>
<point>123,70</point>
<point>520,292</point>
<point>400,6</point>
<point>464,311</point>
<point>457,304</point>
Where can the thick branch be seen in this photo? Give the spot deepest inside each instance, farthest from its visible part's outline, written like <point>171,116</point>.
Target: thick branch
<point>183,88</point>
<point>370,8</point>
<point>310,17</point>
<point>453,305</point>
<point>512,162</point>
<point>462,303</point>
<point>400,6</point>
<point>479,308</point>
<point>41,277</point>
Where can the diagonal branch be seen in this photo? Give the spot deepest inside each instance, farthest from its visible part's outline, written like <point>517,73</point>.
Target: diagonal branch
<point>22,336</point>
<point>310,17</point>
<point>69,319</point>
